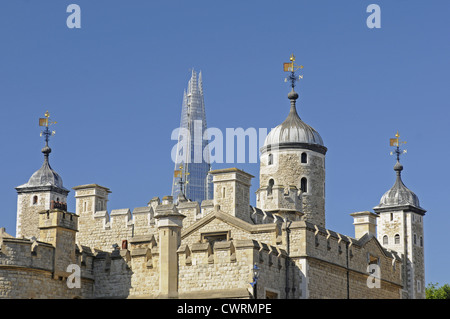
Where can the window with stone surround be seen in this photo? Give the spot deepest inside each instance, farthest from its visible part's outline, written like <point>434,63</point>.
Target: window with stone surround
<point>213,237</point>
<point>372,260</point>
<point>385,240</point>
<point>270,159</point>
<point>397,239</point>
<point>304,158</point>
<point>304,185</point>
<point>35,199</point>
<point>270,186</point>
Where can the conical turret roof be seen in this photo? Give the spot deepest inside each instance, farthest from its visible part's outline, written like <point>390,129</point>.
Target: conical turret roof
<point>45,176</point>
<point>399,194</point>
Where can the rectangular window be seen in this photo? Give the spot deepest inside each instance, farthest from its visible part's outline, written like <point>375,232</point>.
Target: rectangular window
<point>215,236</point>
<point>271,295</point>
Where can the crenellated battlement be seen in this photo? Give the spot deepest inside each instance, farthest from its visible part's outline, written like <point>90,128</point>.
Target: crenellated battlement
<point>100,229</point>
<point>227,265</point>
<point>58,218</point>
<point>281,200</point>
<point>26,253</point>
<point>324,245</point>
<point>34,265</point>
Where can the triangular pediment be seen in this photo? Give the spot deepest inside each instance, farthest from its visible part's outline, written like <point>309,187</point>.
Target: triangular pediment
<point>228,220</point>
<point>370,238</point>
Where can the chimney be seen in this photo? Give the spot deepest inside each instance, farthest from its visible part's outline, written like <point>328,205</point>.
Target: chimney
<point>365,223</point>
<point>232,192</point>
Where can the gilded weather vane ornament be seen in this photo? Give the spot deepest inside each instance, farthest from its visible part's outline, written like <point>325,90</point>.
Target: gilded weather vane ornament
<point>396,142</point>
<point>292,67</point>
<point>46,123</point>
<point>179,174</point>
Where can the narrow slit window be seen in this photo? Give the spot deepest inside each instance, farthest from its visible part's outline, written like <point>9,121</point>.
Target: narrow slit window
<point>304,185</point>
<point>270,186</point>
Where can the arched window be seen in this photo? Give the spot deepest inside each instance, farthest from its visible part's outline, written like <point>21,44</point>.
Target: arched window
<point>270,159</point>
<point>304,158</point>
<point>270,186</point>
<point>397,239</point>
<point>35,200</point>
<point>385,240</point>
<point>304,185</point>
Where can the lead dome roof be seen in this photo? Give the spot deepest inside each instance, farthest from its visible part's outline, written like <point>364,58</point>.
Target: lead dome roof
<point>399,194</point>
<point>293,129</point>
<point>44,176</point>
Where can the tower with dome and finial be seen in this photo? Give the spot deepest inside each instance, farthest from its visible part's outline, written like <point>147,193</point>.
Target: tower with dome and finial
<point>292,164</point>
<point>400,228</point>
<point>43,191</point>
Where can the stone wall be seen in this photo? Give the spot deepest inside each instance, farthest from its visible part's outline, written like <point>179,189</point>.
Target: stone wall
<point>287,170</point>
<point>324,258</point>
<point>228,266</point>
<point>27,271</point>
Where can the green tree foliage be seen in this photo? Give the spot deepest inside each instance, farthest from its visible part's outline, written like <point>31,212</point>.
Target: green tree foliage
<point>433,291</point>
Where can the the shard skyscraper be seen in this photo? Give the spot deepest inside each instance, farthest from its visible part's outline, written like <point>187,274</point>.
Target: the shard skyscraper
<point>192,165</point>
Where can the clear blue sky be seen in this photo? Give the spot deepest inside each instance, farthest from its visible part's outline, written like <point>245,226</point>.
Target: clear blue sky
<point>115,86</point>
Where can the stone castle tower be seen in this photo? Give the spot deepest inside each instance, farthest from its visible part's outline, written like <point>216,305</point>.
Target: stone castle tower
<point>43,191</point>
<point>292,164</point>
<point>400,228</point>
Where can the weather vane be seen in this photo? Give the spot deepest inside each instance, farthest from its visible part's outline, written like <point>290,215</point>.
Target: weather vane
<point>46,122</point>
<point>179,174</point>
<point>396,142</point>
<point>292,67</point>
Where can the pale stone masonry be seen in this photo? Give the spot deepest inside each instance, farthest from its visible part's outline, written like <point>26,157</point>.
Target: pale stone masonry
<point>184,249</point>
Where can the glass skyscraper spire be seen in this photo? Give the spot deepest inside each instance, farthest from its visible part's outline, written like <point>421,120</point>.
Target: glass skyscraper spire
<point>192,163</point>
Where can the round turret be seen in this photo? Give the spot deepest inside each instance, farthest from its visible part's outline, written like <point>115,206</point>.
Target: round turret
<point>293,155</point>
